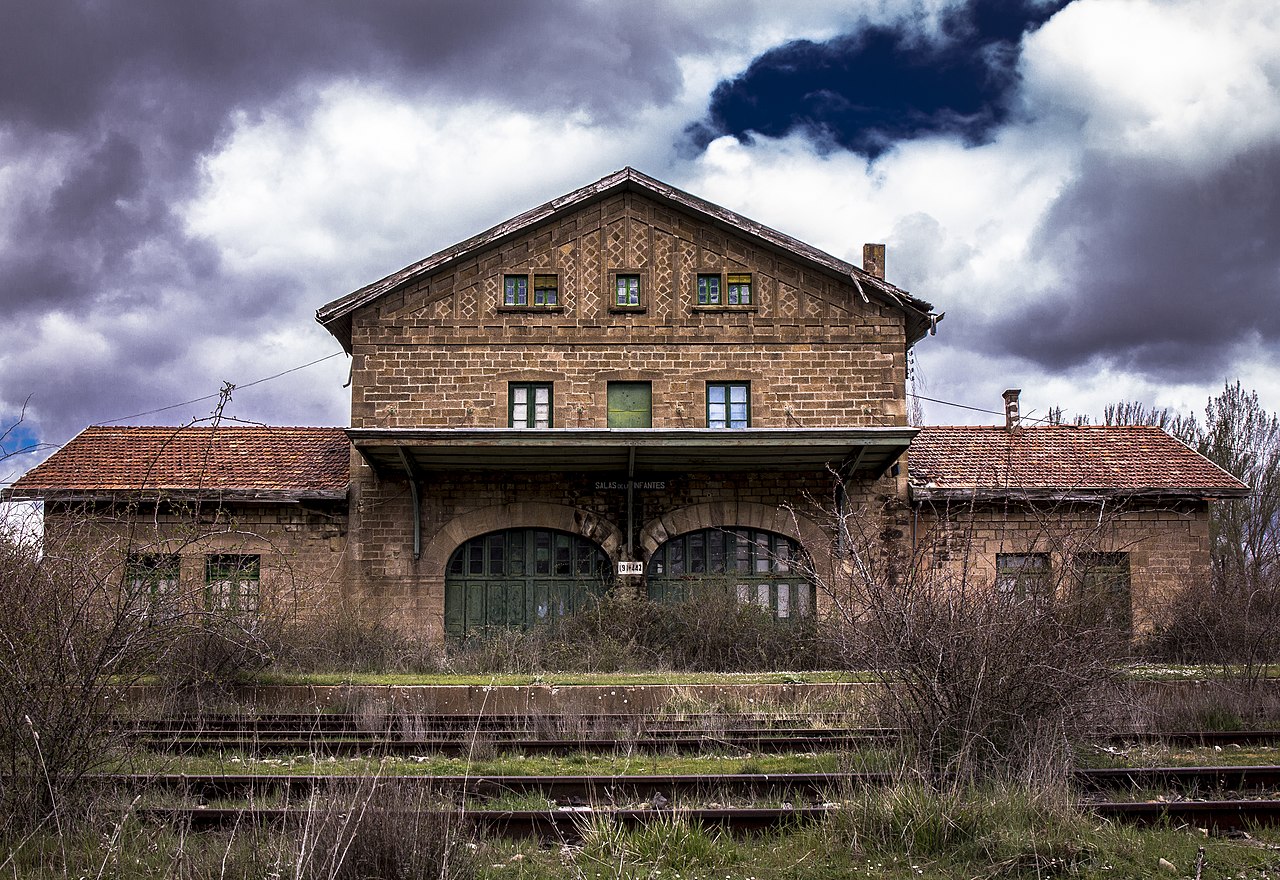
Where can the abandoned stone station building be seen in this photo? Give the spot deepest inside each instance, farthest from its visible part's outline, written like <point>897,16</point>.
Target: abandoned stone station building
<point>625,385</point>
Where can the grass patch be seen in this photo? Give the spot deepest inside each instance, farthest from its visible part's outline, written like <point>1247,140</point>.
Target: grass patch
<point>1197,671</point>
<point>991,834</point>
<point>1155,755</point>
<point>559,679</point>
<point>507,765</point>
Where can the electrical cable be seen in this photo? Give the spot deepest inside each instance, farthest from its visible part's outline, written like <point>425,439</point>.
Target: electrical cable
<point>215,394</point>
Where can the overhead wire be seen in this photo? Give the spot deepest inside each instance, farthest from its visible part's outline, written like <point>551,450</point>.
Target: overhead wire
<point>217,393</point>
<point>35,447</point>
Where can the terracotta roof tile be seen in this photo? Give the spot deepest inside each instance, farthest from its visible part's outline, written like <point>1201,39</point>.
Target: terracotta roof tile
<point>269,460</point>
<point>1126,460</point>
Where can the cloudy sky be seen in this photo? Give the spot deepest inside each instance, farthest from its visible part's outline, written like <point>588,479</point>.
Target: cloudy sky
<point>1090,189</point>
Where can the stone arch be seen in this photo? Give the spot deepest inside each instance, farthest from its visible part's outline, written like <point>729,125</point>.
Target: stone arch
<point>744,514</point>
<point>523,514</point>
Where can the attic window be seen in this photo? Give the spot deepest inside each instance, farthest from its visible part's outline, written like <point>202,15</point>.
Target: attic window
<point>538,290</point>
<point>546,290</point>
<point>725,291</point>
<point>708,290</point>
<point>627,290</point>
<point>515,290</point>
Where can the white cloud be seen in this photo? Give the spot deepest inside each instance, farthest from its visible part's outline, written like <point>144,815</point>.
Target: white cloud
<point>369,181</point>
<point>1192,81</point>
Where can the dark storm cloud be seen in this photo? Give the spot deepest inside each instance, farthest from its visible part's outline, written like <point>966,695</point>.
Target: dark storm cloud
<point>124,98</point>
<point>867,90</point>
<point>1164,271</point>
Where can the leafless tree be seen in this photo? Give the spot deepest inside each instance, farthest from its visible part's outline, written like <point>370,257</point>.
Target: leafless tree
<point>984,678</point>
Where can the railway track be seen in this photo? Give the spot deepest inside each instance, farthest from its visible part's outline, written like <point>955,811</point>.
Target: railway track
<point>599,727</point>
<point>391,722</point>
<point>594,788</point>
<point>344,741</point>
<point>567,823</point>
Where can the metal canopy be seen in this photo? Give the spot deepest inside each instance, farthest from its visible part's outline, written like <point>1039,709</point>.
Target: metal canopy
<point>865,451</point>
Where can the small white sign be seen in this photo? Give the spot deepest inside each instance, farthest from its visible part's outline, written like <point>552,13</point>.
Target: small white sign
<point>630,568</point>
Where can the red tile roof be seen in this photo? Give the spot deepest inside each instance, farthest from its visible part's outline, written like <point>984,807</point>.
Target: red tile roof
<point>1061,460</point>
<point>255,462</point>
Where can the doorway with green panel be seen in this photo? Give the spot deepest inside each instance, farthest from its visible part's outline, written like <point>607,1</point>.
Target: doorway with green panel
<point>517,578</point>
<point>630,404</point>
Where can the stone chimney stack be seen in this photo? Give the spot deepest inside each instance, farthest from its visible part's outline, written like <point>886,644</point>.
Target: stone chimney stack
<point>873,259</point>
<point>1012,416</point>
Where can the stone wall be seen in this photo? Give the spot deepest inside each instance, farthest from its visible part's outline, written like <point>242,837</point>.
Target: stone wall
<point>441,353</point>
<point>390,582</point>
<point>302,549</point>
<point>1167,543</point>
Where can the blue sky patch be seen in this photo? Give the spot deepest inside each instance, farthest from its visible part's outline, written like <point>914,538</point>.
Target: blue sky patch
<point>866,91</point>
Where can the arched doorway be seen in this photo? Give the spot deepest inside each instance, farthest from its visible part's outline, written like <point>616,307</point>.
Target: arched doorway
<point>521,577</point>
<point>763,568</point>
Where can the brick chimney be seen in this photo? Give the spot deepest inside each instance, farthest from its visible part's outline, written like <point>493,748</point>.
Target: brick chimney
<point>1012,416</point>
<point>873,259</point>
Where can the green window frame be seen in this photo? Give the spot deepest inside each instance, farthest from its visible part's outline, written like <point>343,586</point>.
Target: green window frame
<point>529,404</point>
<point>626,290</point>
<point>1105,584</point>
<point>152,580</point>
<point>1024,576</point>
<point>739,289</point>
<point>630,404</point>
<point>515,290</point>
<point>764,569</point>
<point>546,290</point>
<point>709,289</point>
<point>231,582</point>
<point>728,404</point>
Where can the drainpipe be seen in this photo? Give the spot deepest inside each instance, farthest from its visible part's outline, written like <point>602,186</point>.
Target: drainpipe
<point>631,475</point>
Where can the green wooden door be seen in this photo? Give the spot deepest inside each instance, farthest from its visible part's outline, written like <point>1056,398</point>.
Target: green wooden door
<point>630,405</point>
<point>519,578</point>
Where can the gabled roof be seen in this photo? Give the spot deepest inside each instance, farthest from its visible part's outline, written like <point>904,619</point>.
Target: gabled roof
<point>336,316</point>
<point>269,464</point>
<point>962,463</point>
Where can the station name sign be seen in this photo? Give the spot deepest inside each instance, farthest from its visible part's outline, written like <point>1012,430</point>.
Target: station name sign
<point>615,485</point>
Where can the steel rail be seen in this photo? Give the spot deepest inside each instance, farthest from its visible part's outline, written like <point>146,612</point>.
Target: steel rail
<point>351,745</point>
<point>568,823</point>
<point>535,742</point>
<point>586,787</point>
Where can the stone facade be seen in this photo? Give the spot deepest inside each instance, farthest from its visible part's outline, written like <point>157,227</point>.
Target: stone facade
<point>441,352</point>
<point>1165,545</point>
<point>300,549</point>
<point>377,518</point>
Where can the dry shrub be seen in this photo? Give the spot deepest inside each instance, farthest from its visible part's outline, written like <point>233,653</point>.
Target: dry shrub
<point>708,632</point>
<point>985,683</point>
<point>387,830</point>
<point>70,643</point>
<point>1231,620</point>
<point>343,639</point>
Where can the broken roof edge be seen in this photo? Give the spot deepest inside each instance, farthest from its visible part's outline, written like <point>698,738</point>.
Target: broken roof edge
<point>335,316</point>
<point>1065,495</point>
<point>152,493</point>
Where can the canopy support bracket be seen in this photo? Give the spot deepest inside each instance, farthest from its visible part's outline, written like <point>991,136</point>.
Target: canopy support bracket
<point>417,508</point>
